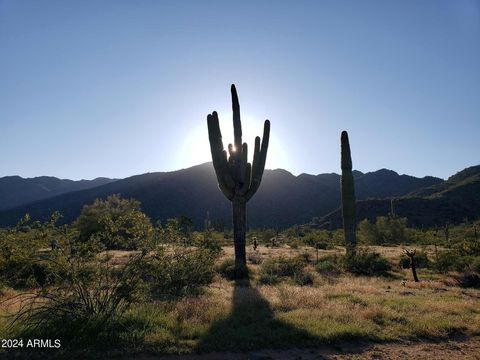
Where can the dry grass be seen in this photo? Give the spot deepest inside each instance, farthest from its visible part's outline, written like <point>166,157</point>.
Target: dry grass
<point>330,311</point>
<point>227,317</point>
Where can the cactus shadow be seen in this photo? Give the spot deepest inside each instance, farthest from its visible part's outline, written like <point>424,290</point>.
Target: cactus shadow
<point>251,325</point>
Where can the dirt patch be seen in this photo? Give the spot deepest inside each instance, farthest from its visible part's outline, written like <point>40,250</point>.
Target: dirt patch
<point>447,350</point>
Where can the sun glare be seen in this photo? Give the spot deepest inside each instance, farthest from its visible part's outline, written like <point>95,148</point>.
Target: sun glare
<point>196,148</point>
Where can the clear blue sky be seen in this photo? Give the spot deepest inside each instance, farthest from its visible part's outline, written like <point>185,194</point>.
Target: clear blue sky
<point>117,88</point>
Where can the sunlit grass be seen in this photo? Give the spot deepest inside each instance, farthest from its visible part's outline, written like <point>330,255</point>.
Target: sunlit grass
<point>332,310</point>
<point>354,308</point>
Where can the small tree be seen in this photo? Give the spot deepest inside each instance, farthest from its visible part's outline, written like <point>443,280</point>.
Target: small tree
<point>118,223</point>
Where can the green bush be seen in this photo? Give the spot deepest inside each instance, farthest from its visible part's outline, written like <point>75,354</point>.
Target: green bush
<point>452,261</point>
<point>386,230</point>
<point>322,245</point>
<point>468,279</point>
<point>91,292</point>
<point>22,262</point>
<point>227,269</point>
<point>273,269</point>
<point>118,223</point>
<point>85,292</point>
<point>367,263</point>
<point>475,265</point>
<point>294,244</point>
<point>312,238</point>
<point>329,264</point>
<point>181,273</point>
<point>210,243</point>
<point>421,260</point>
<point>23,270</point>
<point>305,256</point>
<point>303,278</point>
<point>268,278</point>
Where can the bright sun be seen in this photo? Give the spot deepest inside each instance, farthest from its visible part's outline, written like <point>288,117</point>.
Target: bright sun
<point>196,148</point>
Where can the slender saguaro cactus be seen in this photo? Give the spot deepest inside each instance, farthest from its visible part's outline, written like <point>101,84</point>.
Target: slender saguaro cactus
<point>392,209</point>
<point>348,197</point>
<point>446,232</point>
<point>237,178</point>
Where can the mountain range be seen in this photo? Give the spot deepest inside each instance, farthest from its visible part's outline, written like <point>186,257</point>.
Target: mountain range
<point>450,202</point>
<point>282,200</point>
<point>16,191</point>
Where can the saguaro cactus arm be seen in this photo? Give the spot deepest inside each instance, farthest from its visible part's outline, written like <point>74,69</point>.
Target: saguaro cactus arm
<point>219,157</point>
<point>259,159</point>
<point>235,175</point>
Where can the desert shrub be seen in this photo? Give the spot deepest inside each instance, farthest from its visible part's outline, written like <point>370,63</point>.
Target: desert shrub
<point>475,265</point>
<point>181,273</point>
<point>452,261</point>
<point>313,237</point>
<point>303,278</point>
<point>386,230</point>
<point>268,278</point>
<point>263,236</point>
<point>85,291</point>
<point>273,269</point>
<point>469,246</point>
<point>366,263</point>
<point>468,279</point>
<point>211,243</point>
<point>22,262</point>
<point>322,245</point>
<point>294,244</point>
<point>329,264</point>
<point>118,223</point>
<point>421,260</point>
<point>255,259</point>
<point>91,291</point>
<point>227,269</point>
<point>22,268</point>
<point>305,256</point>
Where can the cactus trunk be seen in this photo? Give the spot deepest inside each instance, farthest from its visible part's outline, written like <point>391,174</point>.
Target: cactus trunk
<point>348,197</point>
<point>239,207</point>
<point>413,266</point>
<point>413,263</point>
<point>237,178</point>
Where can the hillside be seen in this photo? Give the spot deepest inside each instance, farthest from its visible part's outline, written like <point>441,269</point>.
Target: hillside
<point>282,200</point>
<point>451,201</point>
<point>16,191</point>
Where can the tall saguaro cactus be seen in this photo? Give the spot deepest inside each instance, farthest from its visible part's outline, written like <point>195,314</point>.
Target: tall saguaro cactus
<point>237,178</point>
<point>348,197</point>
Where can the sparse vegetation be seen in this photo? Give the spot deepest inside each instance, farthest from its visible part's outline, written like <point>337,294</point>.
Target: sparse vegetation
<point>274,269</point>
<point>172,295</point>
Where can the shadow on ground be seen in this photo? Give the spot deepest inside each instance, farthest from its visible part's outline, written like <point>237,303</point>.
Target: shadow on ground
<point>251,325</point>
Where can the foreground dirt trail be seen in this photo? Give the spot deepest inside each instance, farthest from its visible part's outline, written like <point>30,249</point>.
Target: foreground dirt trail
<point>449,350</point>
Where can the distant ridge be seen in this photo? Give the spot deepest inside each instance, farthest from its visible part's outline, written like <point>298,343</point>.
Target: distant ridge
<point>16,191</point>
<point>282,200</point>
<point>451,201</point>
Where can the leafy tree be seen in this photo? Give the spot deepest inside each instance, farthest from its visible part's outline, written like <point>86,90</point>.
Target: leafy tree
<point>22,255</point>
<point>118,223</point>
<point>386,230</point>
